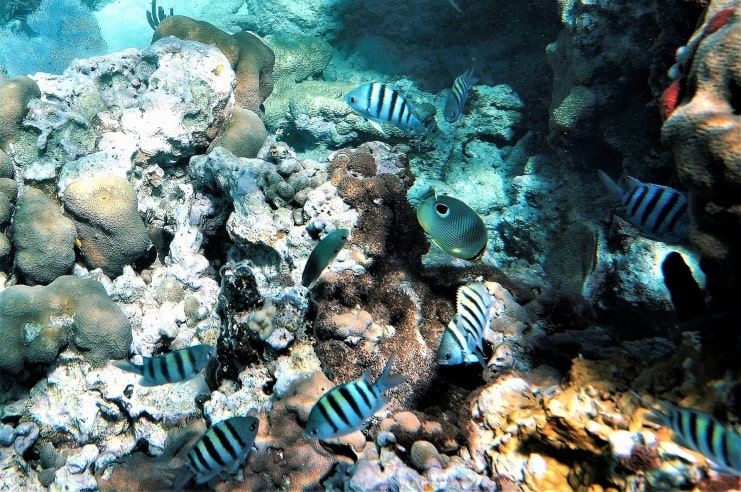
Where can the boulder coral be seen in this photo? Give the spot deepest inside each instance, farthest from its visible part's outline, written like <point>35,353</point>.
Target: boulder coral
<point>37,322</point>
<point>43,238</point>
<point>250,58</point>
<point>15,94</point>
<point>243,134</point>
<point>111,233</point>
<point>704,133</point>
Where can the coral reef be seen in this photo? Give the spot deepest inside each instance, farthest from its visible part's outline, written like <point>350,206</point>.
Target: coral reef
<point>704,134</point>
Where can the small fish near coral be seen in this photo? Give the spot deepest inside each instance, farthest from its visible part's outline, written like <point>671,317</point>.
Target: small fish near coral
<point>173,367</point>
<point>322,255</point>
<point>344,408</point>
<point>379,103</point>
<point>700,432</point>
<point>458,96</point>
<point>452,225</point>
<point>659,212</point>
<point>221,450</point>
<point>463,339</point>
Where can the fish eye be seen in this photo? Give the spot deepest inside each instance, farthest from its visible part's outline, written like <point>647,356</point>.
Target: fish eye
<point>352,99</point>
<point>448,356</point>
<point>253,426</point>
<point>441,209</point>
<point>314,431</point>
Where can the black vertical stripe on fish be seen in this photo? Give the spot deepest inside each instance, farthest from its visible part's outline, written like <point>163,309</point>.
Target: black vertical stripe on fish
<point>351,401</point>
<point>213,453</point>
<point>148,368</point>
<point>724,451</point>
<point>164,370</point>
<point>225,442</point>
<point>678,215</point>
<point>373,389</point>
<point>378,99</point>
<point>326,417</point>
<point>332,400</point>
<point>666,209</point>
<point>635,199</point>
<point>199,463</point>
<point>391,110</point>
<point>234,432</point>
<point>650,206</point>
<point>180,362</point>
<point>363,392</point>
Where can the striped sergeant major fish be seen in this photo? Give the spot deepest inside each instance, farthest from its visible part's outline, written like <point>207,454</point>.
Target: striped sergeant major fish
<point>380,103</point>
<point>176,366</point>
<point>220,450</point>
<point>658,211</point>
<point>458,96</point>
<point>702,433</point>
<point>344,408</point>
<point>463,339</point>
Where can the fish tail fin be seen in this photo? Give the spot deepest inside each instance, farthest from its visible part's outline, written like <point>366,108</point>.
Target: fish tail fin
<point>127,365</point>
<point>656,415</point>
<point>181,477</point>
<point>387,380</point>
<point>612,187</point>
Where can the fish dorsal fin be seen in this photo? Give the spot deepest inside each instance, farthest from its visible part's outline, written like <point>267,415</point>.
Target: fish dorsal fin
<point>612,187</point>
<point>632,183</point>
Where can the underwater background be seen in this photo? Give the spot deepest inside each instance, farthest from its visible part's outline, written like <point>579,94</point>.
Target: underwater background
<point>348,245</point>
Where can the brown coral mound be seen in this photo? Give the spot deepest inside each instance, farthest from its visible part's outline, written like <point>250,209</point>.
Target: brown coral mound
<point>704,133</point>
<point>251,59</point>
<point>394,290</point>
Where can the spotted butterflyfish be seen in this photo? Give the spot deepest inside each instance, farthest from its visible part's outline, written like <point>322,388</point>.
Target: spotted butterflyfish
<point>452,225</point>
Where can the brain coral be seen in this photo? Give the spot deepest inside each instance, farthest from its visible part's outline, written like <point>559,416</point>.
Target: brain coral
<point>243,135</point>
<point>298,57</point>
<point>704,133</point>
<point>36,322</point>
<point>43,238</point>
<point>250,58</point>
<point>14,94</point>
<point>109,228</point>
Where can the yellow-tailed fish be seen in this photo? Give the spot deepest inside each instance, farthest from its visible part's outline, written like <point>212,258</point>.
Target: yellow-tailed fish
<point>323,254</point>
<point>452,225</point>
